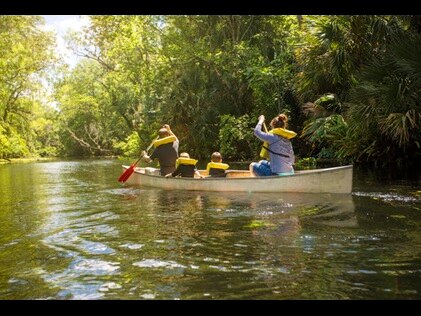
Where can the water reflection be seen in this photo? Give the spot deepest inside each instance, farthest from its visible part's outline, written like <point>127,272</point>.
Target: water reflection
<point>241,236</point>
<point>68,230</point>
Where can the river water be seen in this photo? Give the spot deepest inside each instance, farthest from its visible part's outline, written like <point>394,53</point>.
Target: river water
<point>69,230</point>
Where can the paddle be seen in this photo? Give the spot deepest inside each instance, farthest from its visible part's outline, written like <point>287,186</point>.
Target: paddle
<point>126,174</point>
<point>264,125</point>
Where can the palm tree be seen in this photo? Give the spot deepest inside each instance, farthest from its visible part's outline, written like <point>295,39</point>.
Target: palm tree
<point>371,65</point>
<point>385,109</point>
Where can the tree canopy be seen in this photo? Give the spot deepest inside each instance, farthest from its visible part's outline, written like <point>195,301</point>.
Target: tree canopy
<point>350,85</point>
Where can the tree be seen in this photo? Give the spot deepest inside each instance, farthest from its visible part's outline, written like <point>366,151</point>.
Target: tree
<point>25,55</point>
<point>126,48</point>
<point>224,66</point>
<point>371,65</point>
<point>385,111</point>
<point>88,123</point>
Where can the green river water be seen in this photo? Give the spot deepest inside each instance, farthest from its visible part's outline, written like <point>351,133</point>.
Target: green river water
<point>69,230</point>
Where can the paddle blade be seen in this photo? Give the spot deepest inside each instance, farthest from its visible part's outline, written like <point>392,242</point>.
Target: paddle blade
<point>126,174</point>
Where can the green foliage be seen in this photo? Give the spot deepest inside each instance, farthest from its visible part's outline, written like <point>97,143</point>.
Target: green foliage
<point>114,93</point>
<point>25,56</point>
<point>336,47</point>
<point>129,147</point>
<point>384,110</point>
<point>305,163</point>
<point>327,153</point>
<point>325,129</point>
<point>223,65</point>
<point>210,77</point>
<point>12,144</point>
<point>45,131</point>
<point>371,64</point>
<point>236,138</point>
<point>89,124</point>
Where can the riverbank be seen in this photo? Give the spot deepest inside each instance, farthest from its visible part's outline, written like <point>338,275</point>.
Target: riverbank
<point>26,160</point>
<point>34,159</point>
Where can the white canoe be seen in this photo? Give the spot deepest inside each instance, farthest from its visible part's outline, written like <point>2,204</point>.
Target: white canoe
<point>328,180</point>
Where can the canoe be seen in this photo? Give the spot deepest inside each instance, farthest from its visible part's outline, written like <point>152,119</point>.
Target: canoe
<point>328,180</point>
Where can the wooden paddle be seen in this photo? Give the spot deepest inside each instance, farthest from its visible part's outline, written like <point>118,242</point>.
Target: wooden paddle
<point>264,126</point>
<point>126,174</point>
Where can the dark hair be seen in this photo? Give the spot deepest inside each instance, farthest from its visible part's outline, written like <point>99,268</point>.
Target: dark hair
<point>216,157</point>
<point>163,132</point>
<point>279,121</point>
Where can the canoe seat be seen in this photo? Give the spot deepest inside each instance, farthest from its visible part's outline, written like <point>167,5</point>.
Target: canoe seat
<point>238,174</point>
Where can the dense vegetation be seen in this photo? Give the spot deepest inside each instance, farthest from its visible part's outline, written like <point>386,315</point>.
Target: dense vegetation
<point>350,84</point>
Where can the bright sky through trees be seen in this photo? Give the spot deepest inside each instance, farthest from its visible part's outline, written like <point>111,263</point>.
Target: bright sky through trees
<point>61,24</point>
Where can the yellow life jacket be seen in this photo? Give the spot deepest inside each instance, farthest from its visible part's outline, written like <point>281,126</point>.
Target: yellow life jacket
<point>185,161</point>
<point>285,133</point>
<point>165,140</point>
<point>216,165</point>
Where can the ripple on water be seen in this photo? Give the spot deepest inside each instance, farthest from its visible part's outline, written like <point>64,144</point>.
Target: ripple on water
<point>131,246</point>
<point>208,259</point>
<point>148,296</point>
<point>80,291</point>
<point>94,267</point>
<point>80,279</point>
<point>69,241</point>
<point>128,243</point>
<point>109,286</point>
<point>240,245</point>
<point>361,271</point>
<point>388,197</point>
<point>152,263</point>
<point>95,248</point>
<point>102,215</point>
<point>220,268</point>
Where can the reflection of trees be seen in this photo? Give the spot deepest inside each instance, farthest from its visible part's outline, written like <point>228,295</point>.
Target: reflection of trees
<point>173,214</point>
<point>239,245</point>
<point>347,250</point>
<point>25,191</point>
<point>336,210</point>
<point>178,244</point>
<point>227,249</point>
<point>293,256</point>
<point>387,256</point>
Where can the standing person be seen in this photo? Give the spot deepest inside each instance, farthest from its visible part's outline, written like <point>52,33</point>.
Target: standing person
<point>216,168</point>
<point>166,150</point>
<point>185,167</point>
<point>277,148</point>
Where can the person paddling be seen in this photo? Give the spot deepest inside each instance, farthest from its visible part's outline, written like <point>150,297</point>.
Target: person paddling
<point>277,149</point>
<point>166,150</point>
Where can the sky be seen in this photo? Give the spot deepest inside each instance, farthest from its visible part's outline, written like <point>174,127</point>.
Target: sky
<point>61,24</point>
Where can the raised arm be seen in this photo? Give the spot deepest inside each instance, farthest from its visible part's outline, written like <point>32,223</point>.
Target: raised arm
<point>262,135</point>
